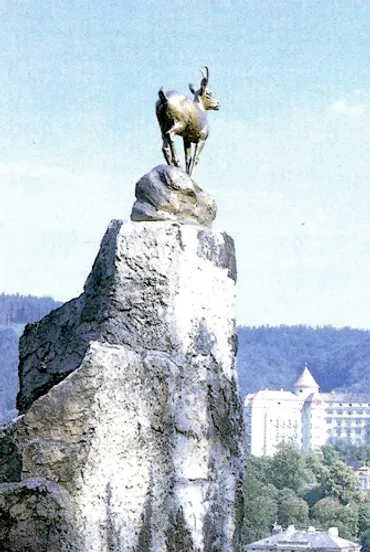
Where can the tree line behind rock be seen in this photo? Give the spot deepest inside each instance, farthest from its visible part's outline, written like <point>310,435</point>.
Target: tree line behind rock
<point>16,311</point>
<point>273,357</point>
<point>24,308</point>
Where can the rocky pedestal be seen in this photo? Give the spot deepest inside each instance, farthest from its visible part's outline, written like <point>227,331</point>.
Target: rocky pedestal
<point>168,193</point>
<point>131,435</point>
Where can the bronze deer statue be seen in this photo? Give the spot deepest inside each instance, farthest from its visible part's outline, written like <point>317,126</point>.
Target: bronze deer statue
<point>179,115</point>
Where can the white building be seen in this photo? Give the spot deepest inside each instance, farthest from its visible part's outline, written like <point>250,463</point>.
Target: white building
<point>304,417</point>
<point>293,540</point>
<point>363,476</point>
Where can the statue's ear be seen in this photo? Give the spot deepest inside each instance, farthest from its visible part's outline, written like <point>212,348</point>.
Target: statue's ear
<point>192,89</point>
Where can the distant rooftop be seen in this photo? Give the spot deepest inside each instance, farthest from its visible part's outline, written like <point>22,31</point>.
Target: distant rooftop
<point>311,539</point>
<point>355,398</point>
<point>273,394</point>
<point>306,380</point>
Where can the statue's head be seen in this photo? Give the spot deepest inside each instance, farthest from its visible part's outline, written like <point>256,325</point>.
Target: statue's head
<point>204,95</point>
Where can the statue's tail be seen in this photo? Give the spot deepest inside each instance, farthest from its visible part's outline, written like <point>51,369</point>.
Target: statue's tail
<point>162,96</point>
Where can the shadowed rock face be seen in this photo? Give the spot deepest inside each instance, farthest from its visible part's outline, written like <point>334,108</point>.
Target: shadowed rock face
<point>132,420</point>
<point>35,516</point>
<point>168,193</point>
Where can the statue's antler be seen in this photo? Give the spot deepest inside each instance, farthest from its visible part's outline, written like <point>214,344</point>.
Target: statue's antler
<point>205,74</point>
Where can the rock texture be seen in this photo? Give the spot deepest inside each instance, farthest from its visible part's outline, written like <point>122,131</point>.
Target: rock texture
<point>131,437</point>
<point>167,193</point>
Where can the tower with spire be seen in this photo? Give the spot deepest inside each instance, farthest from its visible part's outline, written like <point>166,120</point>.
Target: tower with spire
<point>305,417</point>
<point>305,384</point>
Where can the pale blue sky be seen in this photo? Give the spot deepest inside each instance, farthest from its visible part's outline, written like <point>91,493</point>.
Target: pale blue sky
<point>287,158</point>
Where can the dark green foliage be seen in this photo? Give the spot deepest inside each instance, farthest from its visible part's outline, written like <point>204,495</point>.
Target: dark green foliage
<point>315,463</point>
<point>324,512</point>
<point>259,468</point>
<point>314,494</point>
<point>303,489</point>
<point>339,481</point>
<point>331,454</point>
<point>329,512</point>
<point>289,469</point>
<point>364,517</point>
<point>292,510</point>
<point>273,357</point>
<point>342,450</point>
<point>365,540</point>
<point>260,501</point>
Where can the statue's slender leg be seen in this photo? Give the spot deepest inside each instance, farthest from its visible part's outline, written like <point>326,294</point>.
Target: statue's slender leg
<point>187,149</point>
<point>166,150</point>
<point>170,134</point>
<point>198,148</point>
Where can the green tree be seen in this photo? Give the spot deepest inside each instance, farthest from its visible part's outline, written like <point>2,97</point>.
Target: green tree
<point>259,468</point>
<point>330,512</point>
<point>290,470</point>
<point>341,482</point>
<point>347,521</point>
<point>330,454</point>
<point>365,541</point>
<point>315,463</point>
<point>348,451</point>
<point>363,517</point>
<point>260,501</point>
<point>292,510</point>
<point>325,511</point>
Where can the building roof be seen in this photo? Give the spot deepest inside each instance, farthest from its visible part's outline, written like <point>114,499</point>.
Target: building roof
<point>354,398</point>
<point>306,379</point>
<point>364,470</point>
<point>292,538</point>
<point>273,395</point>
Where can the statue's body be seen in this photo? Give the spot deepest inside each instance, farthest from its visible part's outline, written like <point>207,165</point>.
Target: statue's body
<point>179,115</point>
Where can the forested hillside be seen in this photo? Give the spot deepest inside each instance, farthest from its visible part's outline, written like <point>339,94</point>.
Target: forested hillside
<point>268,356</point>
<point>24,308</point>
<point>15,312</point>
<point>274,357</point>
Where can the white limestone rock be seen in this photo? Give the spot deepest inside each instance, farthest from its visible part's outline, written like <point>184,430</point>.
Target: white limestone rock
<point>167,193</point>
<point>132,416</point>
